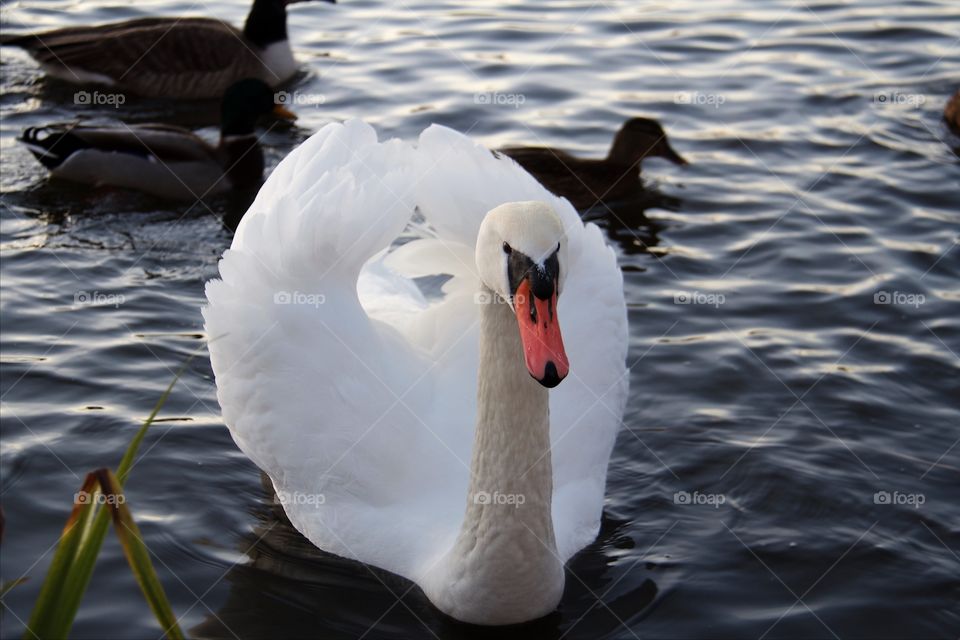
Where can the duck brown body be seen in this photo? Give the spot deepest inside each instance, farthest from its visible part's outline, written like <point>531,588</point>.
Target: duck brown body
<point>589,182</point>
<point>951,113</point>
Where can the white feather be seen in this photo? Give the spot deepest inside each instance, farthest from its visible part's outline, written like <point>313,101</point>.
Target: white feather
<point>369,401</point>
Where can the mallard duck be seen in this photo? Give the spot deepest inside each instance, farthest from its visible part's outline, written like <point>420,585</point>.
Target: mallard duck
<point>951,113</point>
<point>162,160</point>
<point>169,57</point>
<point>586,183</point>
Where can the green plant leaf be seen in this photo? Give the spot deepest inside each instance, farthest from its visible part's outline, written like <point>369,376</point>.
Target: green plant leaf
<point>48,618</point>
<point>138,557</point>
<point>76,555</point>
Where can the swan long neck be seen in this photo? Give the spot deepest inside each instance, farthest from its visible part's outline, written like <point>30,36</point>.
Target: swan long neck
<point>504,562</point>
<point>511,449</point>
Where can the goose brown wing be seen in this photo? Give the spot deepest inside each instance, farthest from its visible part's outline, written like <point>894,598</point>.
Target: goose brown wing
<point>177,57</point>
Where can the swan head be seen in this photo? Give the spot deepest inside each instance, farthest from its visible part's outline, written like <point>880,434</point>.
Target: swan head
<point>521,256</point>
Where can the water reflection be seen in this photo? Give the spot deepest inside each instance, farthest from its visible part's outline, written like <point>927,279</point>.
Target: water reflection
<point>626,222</point>
<point>807,198</point>
<point>289,584</point>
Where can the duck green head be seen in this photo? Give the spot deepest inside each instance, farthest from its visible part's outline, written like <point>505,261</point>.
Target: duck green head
<point>245,102</point>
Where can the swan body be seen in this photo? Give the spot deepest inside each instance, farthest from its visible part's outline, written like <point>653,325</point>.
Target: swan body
<point>410,428</point>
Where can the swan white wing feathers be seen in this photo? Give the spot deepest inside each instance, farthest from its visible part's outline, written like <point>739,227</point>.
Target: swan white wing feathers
<point>460,182</point>
<point>361,407</point>
<point>316,391</point>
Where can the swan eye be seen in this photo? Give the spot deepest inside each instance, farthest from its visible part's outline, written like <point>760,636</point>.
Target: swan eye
<point>507,249</point>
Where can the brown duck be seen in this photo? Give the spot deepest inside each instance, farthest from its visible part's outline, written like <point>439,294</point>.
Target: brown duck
<point>586,183</point>
<point>169,57</point>
<point>951,113</point>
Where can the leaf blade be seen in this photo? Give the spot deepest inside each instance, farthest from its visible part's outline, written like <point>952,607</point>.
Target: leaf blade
<point>138,556</point>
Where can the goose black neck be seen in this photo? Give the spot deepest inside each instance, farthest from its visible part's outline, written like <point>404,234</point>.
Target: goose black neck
<point>266,23</point>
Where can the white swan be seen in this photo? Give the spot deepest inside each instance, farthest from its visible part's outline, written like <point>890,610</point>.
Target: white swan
<point>406,429</point>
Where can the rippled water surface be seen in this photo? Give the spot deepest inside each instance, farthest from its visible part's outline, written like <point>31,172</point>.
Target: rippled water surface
<point>794,309</point>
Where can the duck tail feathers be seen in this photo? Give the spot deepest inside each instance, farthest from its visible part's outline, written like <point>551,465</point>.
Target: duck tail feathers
<point>16,39</point>
<point>51,145</point>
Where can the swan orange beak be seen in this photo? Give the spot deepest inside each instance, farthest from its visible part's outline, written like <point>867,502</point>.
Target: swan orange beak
<point>540,334</point>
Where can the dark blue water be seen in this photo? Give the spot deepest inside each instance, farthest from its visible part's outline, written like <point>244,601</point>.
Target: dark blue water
<point>794,307</point>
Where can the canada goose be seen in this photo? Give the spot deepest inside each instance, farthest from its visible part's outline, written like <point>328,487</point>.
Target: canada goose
<point>166,161</point>
<point>587,182</point>
<point>169,57</point>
